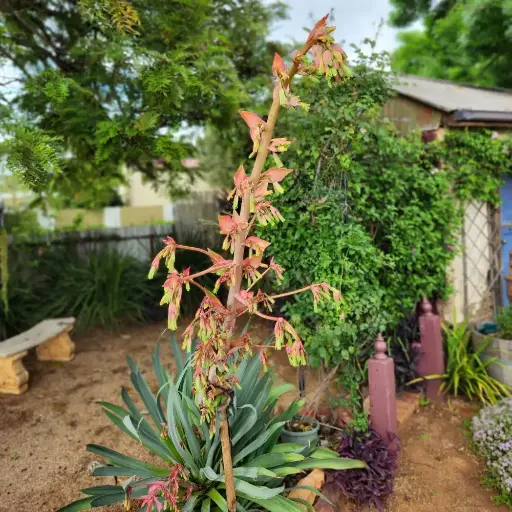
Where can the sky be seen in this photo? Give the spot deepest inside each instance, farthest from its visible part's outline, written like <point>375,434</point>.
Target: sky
<point>354,20</point>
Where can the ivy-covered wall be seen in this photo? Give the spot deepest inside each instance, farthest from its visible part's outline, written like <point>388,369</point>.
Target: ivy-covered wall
<point>384,210</point>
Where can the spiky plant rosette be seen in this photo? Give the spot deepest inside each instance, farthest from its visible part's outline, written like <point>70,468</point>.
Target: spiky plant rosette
<point>371,485</point>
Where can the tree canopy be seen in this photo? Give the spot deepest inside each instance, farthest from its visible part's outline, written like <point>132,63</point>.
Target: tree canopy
<point>462,40</point>
<point>92,85</point>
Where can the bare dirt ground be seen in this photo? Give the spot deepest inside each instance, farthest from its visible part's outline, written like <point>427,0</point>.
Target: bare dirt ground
<point>43,433</point>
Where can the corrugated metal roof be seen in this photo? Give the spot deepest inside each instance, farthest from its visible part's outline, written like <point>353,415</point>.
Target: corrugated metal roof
<point>450,96</point>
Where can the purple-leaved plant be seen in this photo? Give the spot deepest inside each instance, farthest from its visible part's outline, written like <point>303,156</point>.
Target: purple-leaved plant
<point>372,485</point>
<point>492,435</point>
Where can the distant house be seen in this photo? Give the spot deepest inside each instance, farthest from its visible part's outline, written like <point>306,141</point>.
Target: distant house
<point>434,106</point>
<point>141,192</point>
<point>13,193</point>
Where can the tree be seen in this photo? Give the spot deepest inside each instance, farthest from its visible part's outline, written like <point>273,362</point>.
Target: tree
<point>95,85</point>
<point>462,40</point>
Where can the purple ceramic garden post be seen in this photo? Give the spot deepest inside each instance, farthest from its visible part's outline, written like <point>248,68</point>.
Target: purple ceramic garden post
<point>432,358</point>
<point>381,378</point>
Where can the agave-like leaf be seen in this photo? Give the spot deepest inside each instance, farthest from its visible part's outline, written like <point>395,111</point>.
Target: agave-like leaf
<point>161,375</point>
<point>253,472</point>
<point>123,471</point>
<point>280,390</point>
<point>283,471</point>
<point>173,406</point>
<point>78,505</point>
<point>257,443</point>
<point>191,438</point>
<point>140,384</point>
<point>125,461</point>
<point>304,503</point>
<point>324,453</point>
<point>274,459</point>
<point>119,423</point>
<point>288,447</point>
<point>218,500</point>
<point>276,504</point>
<point>257,491</point>
<point>209,473</point>
<point>247,419</point>
<point>101,489</point>
<point>189,504</point>
<point>340,463</point>
<point>206,504</point>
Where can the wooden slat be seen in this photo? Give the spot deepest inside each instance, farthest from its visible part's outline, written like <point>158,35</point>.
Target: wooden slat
<point>43,331</point>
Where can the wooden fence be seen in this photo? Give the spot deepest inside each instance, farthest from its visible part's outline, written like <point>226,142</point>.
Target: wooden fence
<point>194,222</point>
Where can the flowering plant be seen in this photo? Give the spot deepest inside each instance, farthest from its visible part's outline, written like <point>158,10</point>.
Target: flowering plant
<point>492,435</point>
<point>195,441</point>
<point>219,350</point>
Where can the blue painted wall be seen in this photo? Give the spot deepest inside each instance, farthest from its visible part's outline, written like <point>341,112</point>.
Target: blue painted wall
<point>506,231</point>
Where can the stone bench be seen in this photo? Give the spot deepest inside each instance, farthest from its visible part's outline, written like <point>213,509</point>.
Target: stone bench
<point>52,342</point>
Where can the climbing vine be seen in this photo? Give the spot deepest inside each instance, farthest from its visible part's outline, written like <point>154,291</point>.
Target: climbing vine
<point>385,212</point>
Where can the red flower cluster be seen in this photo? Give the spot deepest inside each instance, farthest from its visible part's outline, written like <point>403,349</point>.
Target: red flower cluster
<point>218,348</point>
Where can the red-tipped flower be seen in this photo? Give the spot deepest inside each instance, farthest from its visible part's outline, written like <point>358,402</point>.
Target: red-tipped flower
<point>278,66</point>
<point>256,126</point>
<point>275,175</point>
<point>256,245</point>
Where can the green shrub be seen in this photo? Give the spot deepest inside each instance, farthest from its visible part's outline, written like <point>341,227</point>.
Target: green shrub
<point>466,373</point>
<point>185,471</point>
<point>384,224</point>
<point>100,287</point>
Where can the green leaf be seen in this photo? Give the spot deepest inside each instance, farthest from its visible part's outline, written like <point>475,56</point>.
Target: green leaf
<point>209,473</point>
<point>144,391</point>
<point>287,447</point>
<point>324,453</point>
<point>123,460</point>
<point>122,471</point>
<point>77,506</point>
<point>245,424</point>
<point>102,489</point>
<point>304,503</point>
<point>218,500</point>
<point>253,472</point>
<point>206,505</point>
<point>340,463</point>
<point>257,491</point>
<point>272,460</point>
<point>259,441</point>
<point>278,391</point>
<point>286,470</point>
<point>276,504</point>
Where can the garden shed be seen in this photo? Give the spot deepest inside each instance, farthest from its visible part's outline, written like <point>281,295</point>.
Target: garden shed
<point>482,263</point>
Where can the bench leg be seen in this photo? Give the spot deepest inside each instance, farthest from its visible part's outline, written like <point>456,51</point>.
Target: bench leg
<point>60,348</point>
<point>13,376</point>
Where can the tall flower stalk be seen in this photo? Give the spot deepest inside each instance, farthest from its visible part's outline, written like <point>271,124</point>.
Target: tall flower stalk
<point>219,349</point>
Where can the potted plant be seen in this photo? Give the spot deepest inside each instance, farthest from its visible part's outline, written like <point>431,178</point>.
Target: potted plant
<point>494,342</point>
<point>301,430</point>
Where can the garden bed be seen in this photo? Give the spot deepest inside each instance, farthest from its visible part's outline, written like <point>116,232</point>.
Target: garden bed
<point>44,433</point>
